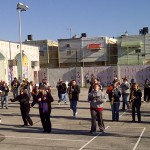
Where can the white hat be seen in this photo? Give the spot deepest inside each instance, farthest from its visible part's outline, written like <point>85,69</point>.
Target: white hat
<point>36,84</point>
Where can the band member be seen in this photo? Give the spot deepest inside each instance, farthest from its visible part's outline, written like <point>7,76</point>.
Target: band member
<point>69,91</point>
<point>4,96</point>
<point>135,99</point>
<point>96,98</point>
<point>34,93</point>
<point>44,99</point>
<point>147,91</point>
<point>115,95</point>
<point>14,87</point>
<point>93,82</point>
<point>58,83</point>
<point>125,90</point>
<point>75,97</point>
<point>62,89</point>
<point>23,98</point>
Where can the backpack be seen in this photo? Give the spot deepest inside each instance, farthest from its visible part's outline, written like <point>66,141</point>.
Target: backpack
<point>109,89</point>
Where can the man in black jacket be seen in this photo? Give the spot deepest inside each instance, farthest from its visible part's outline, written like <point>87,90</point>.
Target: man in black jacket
<point>75,90</point>
<point>135,99</point>
<point>23,98</point>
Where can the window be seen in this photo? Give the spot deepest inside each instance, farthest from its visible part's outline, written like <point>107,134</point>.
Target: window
<point>41,53</point>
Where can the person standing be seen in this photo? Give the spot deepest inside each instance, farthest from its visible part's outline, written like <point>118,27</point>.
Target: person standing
<point>23,98</point>
<point>62,89</point>
<point>135,98</point>
<point>115,95</point>
<point>125,90</point>
<point>44,99</point>
<point>14,87</point>
<point>96,99</point>
<point>147,91</point>
<point>93,82</point>
<point>75,90</point>
<point>58,83</point>
<point>69,92</point>
<point>5,91</point>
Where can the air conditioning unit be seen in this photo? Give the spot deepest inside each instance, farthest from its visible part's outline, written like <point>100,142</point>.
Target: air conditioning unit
<point>12,62</point>
<point>34,63</point>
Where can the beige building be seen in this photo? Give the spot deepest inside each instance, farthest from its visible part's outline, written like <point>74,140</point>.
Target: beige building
<point>10,61</point>
<point>134,49</point>
<point>87,51</point>
<point>48,52</point>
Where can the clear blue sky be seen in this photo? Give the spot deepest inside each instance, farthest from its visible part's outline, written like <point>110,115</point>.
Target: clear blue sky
<point>51,19</point>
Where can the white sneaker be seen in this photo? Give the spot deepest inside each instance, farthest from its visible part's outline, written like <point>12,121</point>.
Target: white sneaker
<point>76,115</point>
<point>0,120</point>
<point>66,103</point>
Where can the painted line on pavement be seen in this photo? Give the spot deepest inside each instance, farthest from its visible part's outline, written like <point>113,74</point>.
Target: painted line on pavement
<point>139,139</point>
<point>122,114</point>
<point>92,139</point>
<point>18,137</point>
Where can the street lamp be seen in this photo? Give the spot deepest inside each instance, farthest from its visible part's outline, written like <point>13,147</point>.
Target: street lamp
<point>21,7</point>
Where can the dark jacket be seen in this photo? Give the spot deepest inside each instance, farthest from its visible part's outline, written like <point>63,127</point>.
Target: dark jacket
<point>116,94</point>
<point>75,92</point>
<point>23,100</point>
<point>62,88</point>
<point>5,90</point>
<point>137,94</point>
<point>15,84</point>
<point>45,103</point>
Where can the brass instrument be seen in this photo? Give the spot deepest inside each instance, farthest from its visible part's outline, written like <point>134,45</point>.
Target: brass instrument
<point>15,85</point>
<point>112,99</point>
<point>132,98</point>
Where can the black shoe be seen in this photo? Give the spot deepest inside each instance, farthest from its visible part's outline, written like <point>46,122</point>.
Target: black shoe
<point>133,120</point>
<point>47,131</point>
<point>101,130</point>
<point>139,121</point>
<point>92,132</point>
<point>122,109</point>
<point>24,125</point>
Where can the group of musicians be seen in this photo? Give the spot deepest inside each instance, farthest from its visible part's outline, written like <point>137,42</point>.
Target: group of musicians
<point>41,94</point>
<point>131,96</point>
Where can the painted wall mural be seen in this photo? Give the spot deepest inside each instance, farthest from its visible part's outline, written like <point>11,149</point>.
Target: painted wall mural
<point>25,66</point>
<point>106,74</point>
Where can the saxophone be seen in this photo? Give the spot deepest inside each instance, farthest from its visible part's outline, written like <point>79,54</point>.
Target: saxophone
<point>112,99</point>
<point>132,98</point>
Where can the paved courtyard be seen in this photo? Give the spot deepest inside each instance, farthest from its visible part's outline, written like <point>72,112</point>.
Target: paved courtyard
<point>70,133</point>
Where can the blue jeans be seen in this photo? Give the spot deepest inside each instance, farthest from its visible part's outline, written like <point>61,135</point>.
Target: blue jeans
<point>125,99</point>
<point>15,92</point>
<point>4,98</point>
<point>115,111</point>
<point>63,97</point>
<point>73,104</point>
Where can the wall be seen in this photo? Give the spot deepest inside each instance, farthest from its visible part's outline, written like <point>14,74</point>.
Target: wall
<point>105,74</point>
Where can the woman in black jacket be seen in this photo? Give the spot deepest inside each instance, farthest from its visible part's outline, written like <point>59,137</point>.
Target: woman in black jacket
<point>44,99</point>
<point>135,100</point>
<point>23,98</point>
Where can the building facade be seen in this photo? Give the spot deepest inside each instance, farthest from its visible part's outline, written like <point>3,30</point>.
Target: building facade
<point>134,49</point>
<point>87,51</point>
<point>48,52</point>
<point>10,61</point>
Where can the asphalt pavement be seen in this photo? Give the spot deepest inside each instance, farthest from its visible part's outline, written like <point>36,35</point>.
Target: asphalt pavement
<point>69,133</point>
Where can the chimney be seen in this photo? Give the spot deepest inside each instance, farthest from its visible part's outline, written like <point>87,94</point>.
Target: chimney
<point>30,38</point>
